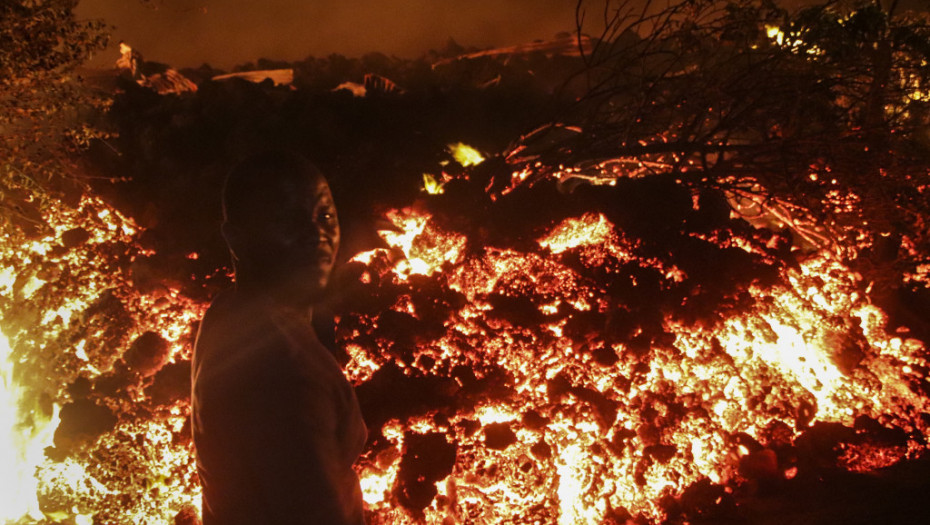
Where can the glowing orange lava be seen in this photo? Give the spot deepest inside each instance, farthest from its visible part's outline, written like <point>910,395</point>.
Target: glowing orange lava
<point>541,415</point>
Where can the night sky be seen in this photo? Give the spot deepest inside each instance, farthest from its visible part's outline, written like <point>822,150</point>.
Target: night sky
<point>225,33</point>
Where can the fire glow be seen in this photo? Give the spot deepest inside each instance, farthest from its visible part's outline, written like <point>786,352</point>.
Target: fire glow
<point>664,304</point>
<point>541,416</point>
<point>594,429</point>
<point>69,312</point>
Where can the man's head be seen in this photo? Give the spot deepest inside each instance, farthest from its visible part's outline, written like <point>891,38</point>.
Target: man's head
<point>280,224</point>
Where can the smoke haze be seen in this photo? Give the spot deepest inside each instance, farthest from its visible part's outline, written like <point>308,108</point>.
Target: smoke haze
<point>224,33</point>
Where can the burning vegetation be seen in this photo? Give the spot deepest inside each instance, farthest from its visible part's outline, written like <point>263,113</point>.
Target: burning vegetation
<point>705,286</point>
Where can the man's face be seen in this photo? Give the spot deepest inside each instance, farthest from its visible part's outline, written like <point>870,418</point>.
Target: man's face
<point>291,241</point>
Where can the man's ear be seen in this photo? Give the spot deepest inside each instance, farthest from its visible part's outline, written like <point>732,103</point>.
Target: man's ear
<point>233,239</point>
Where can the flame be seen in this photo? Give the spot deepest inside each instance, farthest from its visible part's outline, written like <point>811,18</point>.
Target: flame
<point>775,33</point>
<point>377,479</point>
<point>465,155</point>
<point>587,230</point>
<point>419,258</point>
<point>21,447</point>
<point>431,185</point>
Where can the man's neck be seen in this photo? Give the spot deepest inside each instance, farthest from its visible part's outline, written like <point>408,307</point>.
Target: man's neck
<point>278,299</point>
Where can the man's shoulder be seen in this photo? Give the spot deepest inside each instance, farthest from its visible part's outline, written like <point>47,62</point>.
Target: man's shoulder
<point>237,339</point>
<point>232,318</point>
<point>222,310</point>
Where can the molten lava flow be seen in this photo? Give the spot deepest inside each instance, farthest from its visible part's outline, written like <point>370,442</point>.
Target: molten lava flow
<point>98,408</point>
<point>572,427</point>
<point>574,375</point>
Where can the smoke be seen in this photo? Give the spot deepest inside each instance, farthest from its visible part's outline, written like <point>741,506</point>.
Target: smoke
<point>223,34</point>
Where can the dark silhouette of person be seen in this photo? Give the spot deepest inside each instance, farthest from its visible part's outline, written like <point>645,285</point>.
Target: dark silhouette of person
<point>276,425</point>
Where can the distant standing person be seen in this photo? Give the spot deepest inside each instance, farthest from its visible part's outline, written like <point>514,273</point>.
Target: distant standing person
<point>276,425</point>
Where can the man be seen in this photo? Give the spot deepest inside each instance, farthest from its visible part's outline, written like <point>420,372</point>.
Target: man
<point>276,425</point>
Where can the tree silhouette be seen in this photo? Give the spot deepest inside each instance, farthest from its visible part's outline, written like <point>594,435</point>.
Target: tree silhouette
<point>46,111</point>
<point>815,120</point>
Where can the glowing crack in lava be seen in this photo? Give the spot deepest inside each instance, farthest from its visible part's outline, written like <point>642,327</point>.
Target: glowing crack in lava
<point>94,385</point>
<point>572,426</point>
<point>575,375</point>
